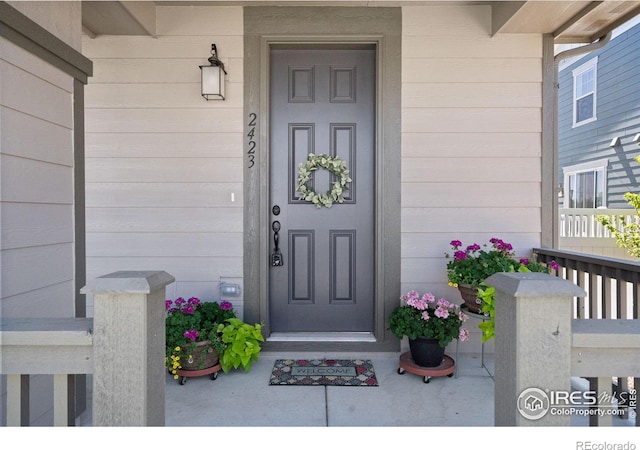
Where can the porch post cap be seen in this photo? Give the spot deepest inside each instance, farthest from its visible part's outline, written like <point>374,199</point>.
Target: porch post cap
<point>534,284</point>
<point>128,282</point>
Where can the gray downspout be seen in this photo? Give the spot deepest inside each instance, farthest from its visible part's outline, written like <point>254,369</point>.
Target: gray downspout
<point>601,42</point>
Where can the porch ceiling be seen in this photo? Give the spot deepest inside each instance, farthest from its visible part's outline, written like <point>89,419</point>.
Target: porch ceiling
<point>570,21</point>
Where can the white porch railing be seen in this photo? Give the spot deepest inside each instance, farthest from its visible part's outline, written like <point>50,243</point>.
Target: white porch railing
<point>535,330</point>
<point>539,347</point>
<point>581,222</point>
<point>580,232</point>
<point>123,347</point>
<point>58,347</point>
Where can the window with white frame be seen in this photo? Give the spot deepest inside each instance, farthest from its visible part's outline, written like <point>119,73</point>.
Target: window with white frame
<point>584,92</point>
<point>584,185</point>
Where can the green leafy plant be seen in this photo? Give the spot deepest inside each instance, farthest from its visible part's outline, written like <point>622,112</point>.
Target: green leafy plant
<point>473,264</point>
<point>627,233</point>
<point>487,295</point>
<point>242,344</point>
<point>423,316</point>
<point>189,322</point>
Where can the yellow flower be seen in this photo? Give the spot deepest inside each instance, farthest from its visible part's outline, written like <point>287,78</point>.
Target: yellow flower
<point>177,349</point>
<point>175,377</point>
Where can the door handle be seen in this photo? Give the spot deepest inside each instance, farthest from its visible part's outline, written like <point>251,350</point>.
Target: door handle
<point>276,255</point>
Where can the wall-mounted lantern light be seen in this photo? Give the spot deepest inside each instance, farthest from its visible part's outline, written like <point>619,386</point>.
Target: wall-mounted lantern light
<point>213,77</point>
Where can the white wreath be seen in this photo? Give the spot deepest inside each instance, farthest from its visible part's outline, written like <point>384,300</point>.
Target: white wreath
<point>334,165</point>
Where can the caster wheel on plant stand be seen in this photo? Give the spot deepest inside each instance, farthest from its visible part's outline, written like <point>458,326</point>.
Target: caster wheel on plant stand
<point>447,367</point>
<point>211,371</point>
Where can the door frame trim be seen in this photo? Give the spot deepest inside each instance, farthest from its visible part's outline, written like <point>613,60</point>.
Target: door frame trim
<point>258,40</point>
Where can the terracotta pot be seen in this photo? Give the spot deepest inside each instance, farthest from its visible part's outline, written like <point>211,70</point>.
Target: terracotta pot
<point>426,352</point>
<point>470,297</point>
<point>202,357</point>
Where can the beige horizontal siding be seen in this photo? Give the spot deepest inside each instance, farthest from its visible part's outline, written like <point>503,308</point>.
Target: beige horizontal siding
<point>470,170</point>
<point>28,268</point>
<point>471,194</point>
<point>159,220</point>
<point>35,181</point>
<point>40,301</point>
<point>185,269</point>
<point>164,166</point>
<point>170,120</point>
<point>165,170</point>
<point>35,224</point>
<point>472,95</point>
<point>471,70</point>
<point>160,95</point>
<point>180,21</point>
<point>172,145</point>
<point>38,139</point>
<point>472,46</point>
<point>36,186</point>
<point>159,194</point>
<point>166,47</point>
<point>496,220</point>
<point>160,70</point>
<point>221,244</point>
<point>471,142</point>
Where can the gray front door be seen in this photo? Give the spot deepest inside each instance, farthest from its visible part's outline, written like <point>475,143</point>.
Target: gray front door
<point>322,102</point>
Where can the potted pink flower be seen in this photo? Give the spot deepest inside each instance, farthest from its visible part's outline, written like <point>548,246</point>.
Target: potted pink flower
<point>427,322</point>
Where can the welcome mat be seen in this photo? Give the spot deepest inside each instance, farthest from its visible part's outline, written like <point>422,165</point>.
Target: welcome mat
<point>323,372</point>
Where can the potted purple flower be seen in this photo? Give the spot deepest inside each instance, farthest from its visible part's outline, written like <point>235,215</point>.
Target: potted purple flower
<point>191,330</point>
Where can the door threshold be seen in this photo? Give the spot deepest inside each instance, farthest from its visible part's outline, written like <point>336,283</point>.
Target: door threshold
<point>364,336</point>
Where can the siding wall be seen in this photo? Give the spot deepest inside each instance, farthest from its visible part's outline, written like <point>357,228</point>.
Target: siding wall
<point>163,165</point>
<point>617,112</point>
<point>60,18</point>
<point>471,139</point>
<point>36,201</point>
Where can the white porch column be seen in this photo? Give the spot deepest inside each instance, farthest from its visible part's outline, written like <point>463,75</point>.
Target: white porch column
<point>532,346</point>
<point>129,348</point>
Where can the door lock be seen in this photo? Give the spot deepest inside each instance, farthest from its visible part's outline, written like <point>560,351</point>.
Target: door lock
<point>276,256</point>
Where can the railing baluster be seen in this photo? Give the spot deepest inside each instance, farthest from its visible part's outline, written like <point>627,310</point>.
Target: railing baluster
<point>613,287</point>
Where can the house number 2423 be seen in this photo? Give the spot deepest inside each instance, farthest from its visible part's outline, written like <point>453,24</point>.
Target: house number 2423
<point>251,145</point>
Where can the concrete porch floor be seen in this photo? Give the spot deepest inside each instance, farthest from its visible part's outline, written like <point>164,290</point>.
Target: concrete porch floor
<point>241,399</point>
<point>247,399</point>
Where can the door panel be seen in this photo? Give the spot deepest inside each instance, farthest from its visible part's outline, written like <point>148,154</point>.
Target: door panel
<point>322,101</point>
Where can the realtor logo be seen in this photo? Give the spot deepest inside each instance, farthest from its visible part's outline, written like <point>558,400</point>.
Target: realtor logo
<point>533,403</point>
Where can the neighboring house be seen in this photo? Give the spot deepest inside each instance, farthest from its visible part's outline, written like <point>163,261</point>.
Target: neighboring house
<point>136,171</point>
<point>599,133</point>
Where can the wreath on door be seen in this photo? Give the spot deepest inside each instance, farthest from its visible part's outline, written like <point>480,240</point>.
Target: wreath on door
<point>334,165</point>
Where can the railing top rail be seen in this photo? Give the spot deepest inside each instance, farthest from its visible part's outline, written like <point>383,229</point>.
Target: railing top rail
<point>604,261</point>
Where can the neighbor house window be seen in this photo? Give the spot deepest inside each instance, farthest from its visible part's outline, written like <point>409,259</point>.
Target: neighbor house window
<point>584,93</point>
<point>584,185</point>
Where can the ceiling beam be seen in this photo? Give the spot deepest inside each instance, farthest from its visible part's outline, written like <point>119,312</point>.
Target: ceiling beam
<point>502,13</point>
<point>144,13</point>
